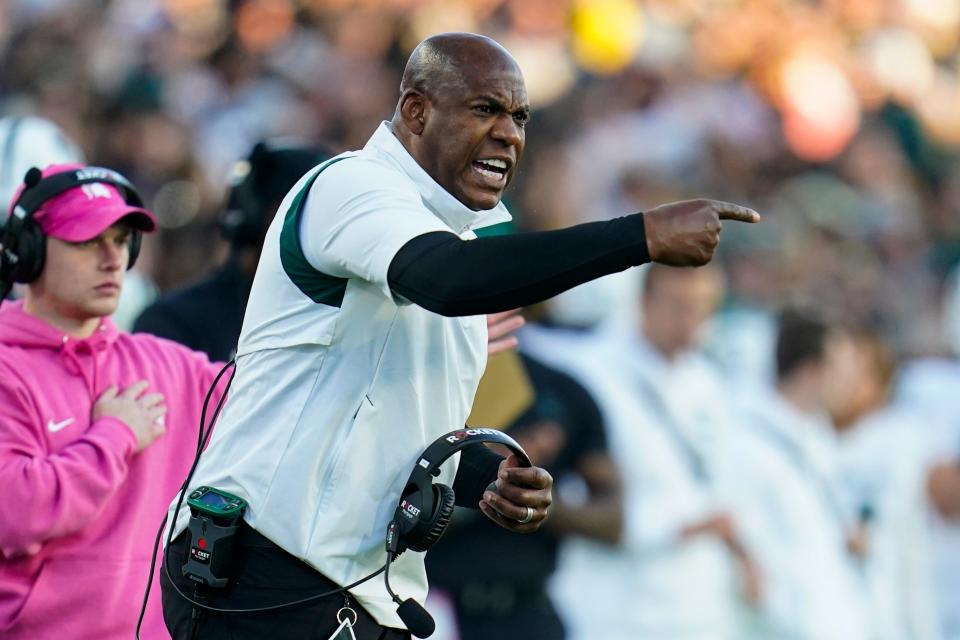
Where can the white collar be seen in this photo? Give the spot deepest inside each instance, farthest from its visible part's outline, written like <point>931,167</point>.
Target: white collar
<point>801,428</point>
<point>459,216</point>
<point>653,364</point>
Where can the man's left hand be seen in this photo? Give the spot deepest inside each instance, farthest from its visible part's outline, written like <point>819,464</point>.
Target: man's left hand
<point>500,328</point>
<point>523,497</point>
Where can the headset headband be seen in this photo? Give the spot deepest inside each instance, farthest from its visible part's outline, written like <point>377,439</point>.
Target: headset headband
<point>33,197</point>
<point>447,445</point>
<point>428,464</point>
<point>425,510</point>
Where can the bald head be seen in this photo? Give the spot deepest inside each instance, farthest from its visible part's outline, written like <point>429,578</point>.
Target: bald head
<point>461,115</point>
<point>445,61</point>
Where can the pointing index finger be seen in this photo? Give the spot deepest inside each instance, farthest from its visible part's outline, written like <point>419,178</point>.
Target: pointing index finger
<point>728,211</point>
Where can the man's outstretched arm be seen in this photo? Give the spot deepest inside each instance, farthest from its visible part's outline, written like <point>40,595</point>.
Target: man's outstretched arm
<point>455,277</point>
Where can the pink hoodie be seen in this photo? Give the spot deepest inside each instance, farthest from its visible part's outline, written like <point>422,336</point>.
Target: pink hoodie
<point>79,509</point>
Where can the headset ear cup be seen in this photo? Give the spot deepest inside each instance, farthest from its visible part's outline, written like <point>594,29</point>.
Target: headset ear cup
<point>133,250</point>
<point>443,503</point>
<point>31,251</point>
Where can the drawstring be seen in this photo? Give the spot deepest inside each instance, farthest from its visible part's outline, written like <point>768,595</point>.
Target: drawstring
<point>70,351</point>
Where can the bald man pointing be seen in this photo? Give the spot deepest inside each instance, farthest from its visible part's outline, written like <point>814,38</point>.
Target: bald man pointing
<point>364,341</point>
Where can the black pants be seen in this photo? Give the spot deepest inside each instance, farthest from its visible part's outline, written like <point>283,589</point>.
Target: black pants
<point>515,615</point>
<point>265,575</point>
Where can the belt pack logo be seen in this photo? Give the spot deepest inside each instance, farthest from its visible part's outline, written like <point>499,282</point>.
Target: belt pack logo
<point>200,555</point>
<point>457,436</point>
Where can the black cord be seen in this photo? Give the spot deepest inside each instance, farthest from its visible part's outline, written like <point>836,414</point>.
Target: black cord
<point>202,438</point>
<point>153,564</point>
<point>201,443</point>
<point>391,556</point>
<point>204,434</point>
<point>275,607</point>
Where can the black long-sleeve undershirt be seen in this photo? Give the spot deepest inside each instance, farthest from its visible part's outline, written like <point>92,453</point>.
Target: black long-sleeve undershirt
<point>444,274</point>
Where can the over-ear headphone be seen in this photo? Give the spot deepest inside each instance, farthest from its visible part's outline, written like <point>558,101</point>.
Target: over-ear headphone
<point>241,220</point>
<point>23,243</point>
<point>260,181</point>
<point>425,508</point>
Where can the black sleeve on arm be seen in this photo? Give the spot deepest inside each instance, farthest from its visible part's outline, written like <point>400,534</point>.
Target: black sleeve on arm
<point>478,468</point>
<point>444,274</point>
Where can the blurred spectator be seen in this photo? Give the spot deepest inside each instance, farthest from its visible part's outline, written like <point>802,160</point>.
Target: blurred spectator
<point>675,573</point>
<point>207,316</point>
<point>782,474</point>
<point>883,460</point>
<point>25,142</point>
<point>927,387</point>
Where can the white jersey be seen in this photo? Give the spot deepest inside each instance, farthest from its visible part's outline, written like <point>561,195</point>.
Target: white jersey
<point>782,479</point>
<point>662,418</point>
<point>884,460</point>
<point>340,385</point>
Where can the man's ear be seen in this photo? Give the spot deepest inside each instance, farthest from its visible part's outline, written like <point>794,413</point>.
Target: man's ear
<point>413,108</point>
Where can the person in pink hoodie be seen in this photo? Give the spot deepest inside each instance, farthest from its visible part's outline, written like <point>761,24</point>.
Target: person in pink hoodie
<point>98,428</point>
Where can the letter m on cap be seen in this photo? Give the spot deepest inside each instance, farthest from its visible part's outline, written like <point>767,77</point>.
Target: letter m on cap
<point>96,190</point>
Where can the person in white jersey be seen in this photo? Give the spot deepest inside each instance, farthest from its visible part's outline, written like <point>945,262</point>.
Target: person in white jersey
<point>364,341</point>
<point>681,570</point>
<point>783,480</point>
<point>884,458</point>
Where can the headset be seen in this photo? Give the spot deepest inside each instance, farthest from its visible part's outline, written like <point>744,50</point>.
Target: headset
<point>425,509</point>
<point>268,168</point>
<point>422,515</point>
<point>242,218</point>
<point>22,243</point>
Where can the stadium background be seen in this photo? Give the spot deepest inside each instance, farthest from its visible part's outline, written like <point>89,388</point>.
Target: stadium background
<point>839,120</point>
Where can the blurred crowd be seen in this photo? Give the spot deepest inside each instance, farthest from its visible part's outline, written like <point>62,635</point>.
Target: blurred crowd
<point>810,376</point>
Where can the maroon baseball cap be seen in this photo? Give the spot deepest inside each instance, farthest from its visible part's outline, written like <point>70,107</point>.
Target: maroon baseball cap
<point>84,212</point>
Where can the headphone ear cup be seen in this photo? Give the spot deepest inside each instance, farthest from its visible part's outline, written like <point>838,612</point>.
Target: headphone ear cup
<point>133,249</point>
<point>443,503</point>
<point>30,247</point>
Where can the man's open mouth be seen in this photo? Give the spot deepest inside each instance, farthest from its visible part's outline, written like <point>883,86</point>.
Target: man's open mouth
<point>494,170</point>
